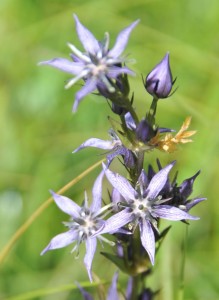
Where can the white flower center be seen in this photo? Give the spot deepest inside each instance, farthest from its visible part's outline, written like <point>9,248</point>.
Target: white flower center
<point>140,208</point>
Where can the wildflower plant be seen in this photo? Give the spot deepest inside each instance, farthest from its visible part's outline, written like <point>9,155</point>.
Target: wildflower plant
<point>136,205</point>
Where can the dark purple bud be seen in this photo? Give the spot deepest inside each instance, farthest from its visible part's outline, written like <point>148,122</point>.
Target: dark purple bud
<point>117,109</point>
<point>187,186</point>
<point>151,172</point>
<point>147,294</point>
<point>144,131</point>
<point>159,81</point>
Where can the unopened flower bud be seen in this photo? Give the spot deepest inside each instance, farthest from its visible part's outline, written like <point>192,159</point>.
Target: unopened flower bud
<point>144,131</point>
<point>159,81</point>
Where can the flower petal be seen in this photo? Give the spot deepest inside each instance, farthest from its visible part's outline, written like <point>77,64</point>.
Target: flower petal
<point>91,244</point>
<point>96,143</point>
<point>61,240</point>
<point>112,292</point>
<point>190,203</point>
<point>114,71</point>
<point>129,288</point>
<point>130,123</point>
<point>88,88</point>
<point>118,220</point>
<point>122,40</point>
<point>121,184</point>
<point>67,205</point>
<point>84,293</point>
<point>147,238</point>
<point>97,193</point>
<point>171,213</point>
<point>116,198</point>
<point>158,181</point>
<point>64,65</point>
<point>87,39</point>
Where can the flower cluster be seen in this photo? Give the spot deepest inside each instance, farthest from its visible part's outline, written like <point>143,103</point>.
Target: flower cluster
<point>132,214</point>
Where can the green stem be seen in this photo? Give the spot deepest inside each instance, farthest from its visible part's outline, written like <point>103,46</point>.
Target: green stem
<point>135,287</point>
<point>152,111</point>
<point>182,270</point>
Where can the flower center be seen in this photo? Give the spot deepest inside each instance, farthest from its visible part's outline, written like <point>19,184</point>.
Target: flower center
<point>86,225</point>
<point>140,208</point>
<point>89,225</point>
<point>98,69</point>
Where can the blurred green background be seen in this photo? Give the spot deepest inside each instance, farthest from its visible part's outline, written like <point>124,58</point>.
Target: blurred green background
<point>39,132</point>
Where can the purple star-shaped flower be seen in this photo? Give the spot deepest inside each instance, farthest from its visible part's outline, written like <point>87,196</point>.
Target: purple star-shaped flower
<point>144,205</point>
<point>84,223</point>
<point>98,64</point>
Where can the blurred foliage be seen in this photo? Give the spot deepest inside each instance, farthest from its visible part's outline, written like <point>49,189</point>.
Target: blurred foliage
<point>39,132</point>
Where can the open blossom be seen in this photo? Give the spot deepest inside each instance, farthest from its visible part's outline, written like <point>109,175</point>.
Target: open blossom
<point>85,222</point>
<point>97,64</point>
<point>144,205</point>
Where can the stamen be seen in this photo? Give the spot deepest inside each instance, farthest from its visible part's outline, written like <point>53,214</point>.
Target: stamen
<point>78,53</point>
<point>75,79</point>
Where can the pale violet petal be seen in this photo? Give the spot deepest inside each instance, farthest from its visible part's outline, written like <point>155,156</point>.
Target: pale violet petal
<point>122,40</point>
<point>84,293</point>
<point>61,240</point>
<point>158,181</point>
<point>114,71</point>
<point>130,123</point>
<point>87,39</point>
<point>91,244</point>
<point>117,221</point>
<point>129,288</point>
<point>88,88</point>
<point>97,193</point>
<point>193,202</point>
<point>147,238</point>
<point>66,205</point>
<point>171,213</point>
<point>116,198</point>
<point>121,184</point>
<point>64,65</point>
<point>96,143</point>
<point>112,292</point>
